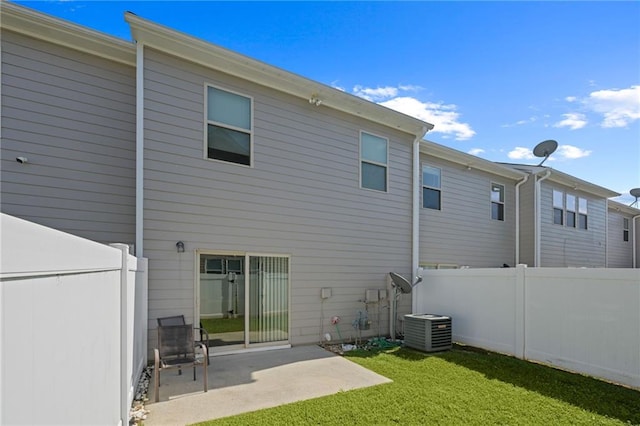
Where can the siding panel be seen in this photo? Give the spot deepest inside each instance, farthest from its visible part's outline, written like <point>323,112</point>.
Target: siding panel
<point>561,246</point>
<point>301,198</point>
<point>73,116</point>
<point>462,232</point>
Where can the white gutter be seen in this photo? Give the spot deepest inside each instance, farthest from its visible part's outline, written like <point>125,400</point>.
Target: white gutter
<point>522,182</point>
<point>139,148</point>
<point>536,260</point>
<point>633,238</point>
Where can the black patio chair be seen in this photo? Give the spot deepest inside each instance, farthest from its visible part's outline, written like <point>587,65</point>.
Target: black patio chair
<point>179,320</point>
<point>176,350</point>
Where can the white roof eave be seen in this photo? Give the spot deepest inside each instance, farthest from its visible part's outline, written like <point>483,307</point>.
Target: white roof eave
<point>215,57</point>
<point>614,205</point>
<point>440,151</point>
<point>37,25</point>
<point>573,182</point>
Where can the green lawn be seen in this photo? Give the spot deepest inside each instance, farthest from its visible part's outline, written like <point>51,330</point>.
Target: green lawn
<point>222,325</point>
<point>464,386</point>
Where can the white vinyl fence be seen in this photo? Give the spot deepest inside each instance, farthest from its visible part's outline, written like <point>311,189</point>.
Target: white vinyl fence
<point>583,320</point>
<point>73,327</point>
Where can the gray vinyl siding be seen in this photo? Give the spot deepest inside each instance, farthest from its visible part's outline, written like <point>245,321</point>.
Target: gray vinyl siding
<point>527,222</point>
<point>73,116</point>
<point>561,246</point>
<point>620,252</point>
<point>462,232</point>
<point>302,198</point>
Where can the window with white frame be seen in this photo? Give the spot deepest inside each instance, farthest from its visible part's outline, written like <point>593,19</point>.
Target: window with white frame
<point>497,201</point>
<point>229,126</point>
<point>558,207</point>
<point>571,210</point>
<point>373,162</point>
<point>625,229</point>
<point>582,213</point>
<point>431,187</point>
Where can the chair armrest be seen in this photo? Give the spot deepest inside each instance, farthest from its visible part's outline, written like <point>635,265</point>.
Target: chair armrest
<point>203,331</point>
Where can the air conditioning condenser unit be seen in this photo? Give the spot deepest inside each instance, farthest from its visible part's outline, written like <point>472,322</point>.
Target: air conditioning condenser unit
<point>427,332</point>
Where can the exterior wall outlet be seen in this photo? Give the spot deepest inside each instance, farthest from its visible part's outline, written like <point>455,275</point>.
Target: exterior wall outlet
<point>325,293</point>
<point>372,295</point>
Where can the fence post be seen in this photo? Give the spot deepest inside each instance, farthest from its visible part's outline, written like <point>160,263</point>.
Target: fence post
<point>124,347</point>
<point>520,311</point>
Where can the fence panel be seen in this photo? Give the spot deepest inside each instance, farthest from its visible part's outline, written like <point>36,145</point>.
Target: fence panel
<point>584,320</point>
<point>63,300</point>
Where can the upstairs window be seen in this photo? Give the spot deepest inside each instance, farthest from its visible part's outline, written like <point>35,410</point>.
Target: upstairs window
<point>625,229</point>
<point>497,201</point>
<point>558,207</point>
<point>571,210</point>
<point>582,213</point>
<point>373,162</point>
<point>431,187</point>
<point>229,126</point>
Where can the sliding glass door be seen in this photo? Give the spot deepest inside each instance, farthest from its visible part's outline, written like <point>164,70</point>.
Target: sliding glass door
<point>243,299</point>
<point>268,299</point>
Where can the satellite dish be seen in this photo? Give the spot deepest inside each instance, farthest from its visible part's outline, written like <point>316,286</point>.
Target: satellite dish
<point>635,192</point>
<point>545,149</point>
<point>401,283</point>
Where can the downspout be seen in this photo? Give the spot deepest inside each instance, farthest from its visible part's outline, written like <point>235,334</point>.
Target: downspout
<point>518,185</point>
<point>139,148</point>
<point>536,259</point>
<point>415,233</point>
<point>633,238</point>
<point>415,225</point>
<point>606,233</point>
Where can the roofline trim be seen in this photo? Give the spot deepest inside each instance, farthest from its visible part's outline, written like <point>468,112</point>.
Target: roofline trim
<point>468,160</point>
<point>41,26</point>
<point>215,57</point>
<point>571,181</point>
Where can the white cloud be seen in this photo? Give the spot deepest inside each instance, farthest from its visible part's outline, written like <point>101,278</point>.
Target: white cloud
<point>571,99</point>
<point>572,120</point>
<point>475,151</point>
<point>520,153</point>
<point>569,152</point>
<point>564,152</point>
<point>619,107</point>
<point>335,85</point>
<point>377,94</point>
<point>444,117</point>
<point>522,122</point>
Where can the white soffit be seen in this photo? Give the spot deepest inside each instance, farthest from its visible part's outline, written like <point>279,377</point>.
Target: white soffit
<point>572,182</point>
<point>614,205</point>
<point>432,149</point>
<point>37,25</point>
<point>215,57</point>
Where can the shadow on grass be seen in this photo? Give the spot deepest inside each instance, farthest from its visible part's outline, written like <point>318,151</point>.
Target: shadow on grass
<point>582,391</point>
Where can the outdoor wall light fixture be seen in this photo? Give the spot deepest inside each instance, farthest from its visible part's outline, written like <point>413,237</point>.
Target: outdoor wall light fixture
<point>315,100</point>
<point>180,247</point>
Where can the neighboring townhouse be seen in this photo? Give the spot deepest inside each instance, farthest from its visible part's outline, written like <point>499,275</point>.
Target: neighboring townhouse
<point>623,235</point>
<point>68,112</point>
<point>468,211</point>
<point>563,219</point>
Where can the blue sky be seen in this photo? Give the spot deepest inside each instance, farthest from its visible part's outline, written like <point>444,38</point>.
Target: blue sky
<point>495,78</point>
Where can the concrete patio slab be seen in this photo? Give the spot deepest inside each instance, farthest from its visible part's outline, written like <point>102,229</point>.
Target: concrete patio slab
<point>252,381</point>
